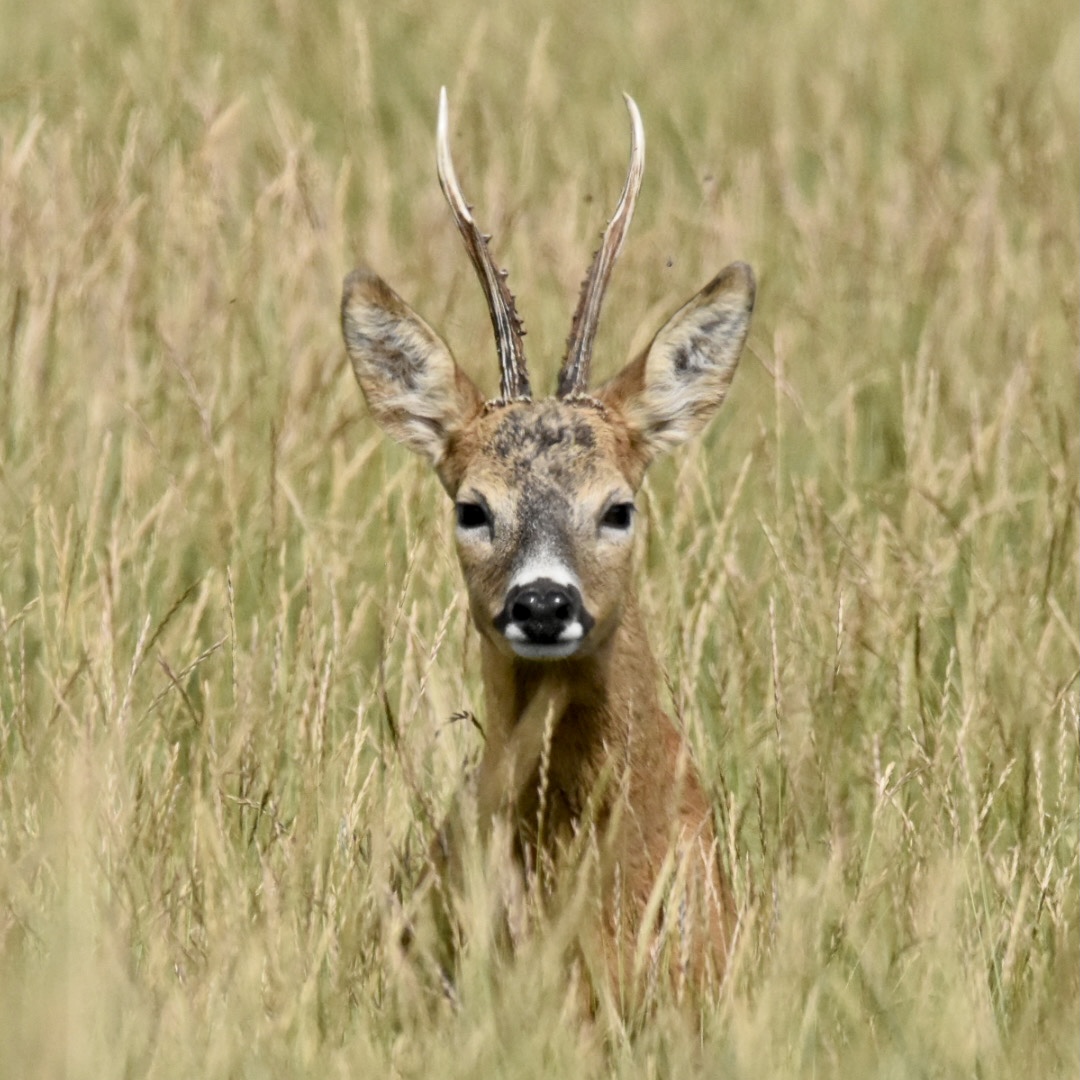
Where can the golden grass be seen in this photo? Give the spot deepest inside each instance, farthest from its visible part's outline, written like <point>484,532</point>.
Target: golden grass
<point>231,633</point>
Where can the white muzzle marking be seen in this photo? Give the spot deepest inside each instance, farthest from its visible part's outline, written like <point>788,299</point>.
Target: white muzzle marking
<point>544,567</point>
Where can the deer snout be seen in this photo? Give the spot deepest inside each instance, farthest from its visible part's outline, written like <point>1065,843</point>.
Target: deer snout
<point>544,610</point>
<point>544,619</point>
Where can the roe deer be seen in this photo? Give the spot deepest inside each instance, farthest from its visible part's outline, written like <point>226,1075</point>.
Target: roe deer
<point>544,502</point>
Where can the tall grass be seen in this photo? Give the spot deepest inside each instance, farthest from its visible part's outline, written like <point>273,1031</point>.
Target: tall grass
<point>232,640</point>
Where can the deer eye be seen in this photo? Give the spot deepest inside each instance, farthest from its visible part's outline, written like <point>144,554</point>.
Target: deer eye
<point>618,516</point>
<point>471,515</point>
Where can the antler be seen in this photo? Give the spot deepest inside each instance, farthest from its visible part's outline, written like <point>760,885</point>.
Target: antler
<point>574,375</point>
<point>504,317</point>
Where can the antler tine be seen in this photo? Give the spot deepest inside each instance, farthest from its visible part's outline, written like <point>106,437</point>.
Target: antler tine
<point>574,375</point>
<point>504,317</point>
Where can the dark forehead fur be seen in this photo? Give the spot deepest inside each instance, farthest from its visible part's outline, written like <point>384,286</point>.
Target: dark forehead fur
<point>564,443</point>
<point>567,442</point>
<point>545,430</point>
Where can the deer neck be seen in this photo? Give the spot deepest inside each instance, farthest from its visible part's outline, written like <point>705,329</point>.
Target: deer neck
<point>585,710</point>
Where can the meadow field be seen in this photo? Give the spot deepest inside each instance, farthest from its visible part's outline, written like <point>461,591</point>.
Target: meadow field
<point>236,668</point>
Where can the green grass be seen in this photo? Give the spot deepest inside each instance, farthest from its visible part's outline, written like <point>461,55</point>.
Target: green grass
<point>232,636</point>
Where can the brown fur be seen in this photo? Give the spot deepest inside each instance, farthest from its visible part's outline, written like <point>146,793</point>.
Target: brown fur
<point>613,741</point>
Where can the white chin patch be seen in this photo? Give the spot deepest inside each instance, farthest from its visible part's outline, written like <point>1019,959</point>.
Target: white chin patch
<point>569,640</point>
<point>529,650</point>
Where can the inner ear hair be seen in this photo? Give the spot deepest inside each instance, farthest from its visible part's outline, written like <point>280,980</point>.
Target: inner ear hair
<point>669,393</point>
<point>414,388</point>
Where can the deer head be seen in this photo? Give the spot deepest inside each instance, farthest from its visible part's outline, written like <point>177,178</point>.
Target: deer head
<point>544,489</point>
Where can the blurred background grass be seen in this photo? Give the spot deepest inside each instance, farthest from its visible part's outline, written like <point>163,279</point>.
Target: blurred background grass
<point>231,632</point>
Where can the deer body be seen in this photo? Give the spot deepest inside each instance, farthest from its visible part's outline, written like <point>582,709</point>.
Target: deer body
<point>544,496</point>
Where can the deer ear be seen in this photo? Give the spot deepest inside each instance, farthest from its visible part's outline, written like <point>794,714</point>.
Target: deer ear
<point>670,392</point>
<point>416,392</point>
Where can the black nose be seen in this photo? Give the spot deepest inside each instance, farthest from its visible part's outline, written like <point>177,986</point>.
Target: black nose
<point>542,610</point>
